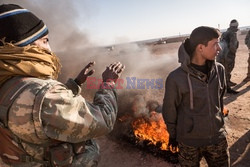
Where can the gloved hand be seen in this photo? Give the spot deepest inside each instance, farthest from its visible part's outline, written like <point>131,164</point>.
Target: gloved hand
<point>83,75</point>
<point>172,144</point>
<point>113,72</point>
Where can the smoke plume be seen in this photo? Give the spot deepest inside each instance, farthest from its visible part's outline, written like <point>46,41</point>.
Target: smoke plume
<point>75,50</point>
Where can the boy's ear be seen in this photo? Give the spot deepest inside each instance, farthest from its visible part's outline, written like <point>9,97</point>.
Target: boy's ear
<point>199,47</point>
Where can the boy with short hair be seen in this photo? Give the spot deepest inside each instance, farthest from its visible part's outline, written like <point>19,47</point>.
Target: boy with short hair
<point>193,101</point>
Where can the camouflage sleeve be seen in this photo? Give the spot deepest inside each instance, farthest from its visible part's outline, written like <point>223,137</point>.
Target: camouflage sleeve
<point>66,116</point>
<point>233,43</point>
<point>247,39</point>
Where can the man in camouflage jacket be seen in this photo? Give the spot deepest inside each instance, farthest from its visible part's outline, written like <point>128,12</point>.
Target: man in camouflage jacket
<point>227,57</point>
<point>42,121</point>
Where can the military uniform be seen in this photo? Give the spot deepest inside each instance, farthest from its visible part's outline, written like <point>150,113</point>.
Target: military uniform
<point>44,122</point>
<point>227,56</point>
<point>54,124</point>
<point>247,42</point>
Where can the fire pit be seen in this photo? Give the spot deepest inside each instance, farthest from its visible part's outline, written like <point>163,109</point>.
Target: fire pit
<point>145,128</point>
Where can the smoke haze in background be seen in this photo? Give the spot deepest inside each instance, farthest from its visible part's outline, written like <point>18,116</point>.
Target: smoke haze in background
<point>61,18</point>
<point>75,49</point>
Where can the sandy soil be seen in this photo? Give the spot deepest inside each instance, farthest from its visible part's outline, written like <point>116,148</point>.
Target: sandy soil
<point>118,153</point>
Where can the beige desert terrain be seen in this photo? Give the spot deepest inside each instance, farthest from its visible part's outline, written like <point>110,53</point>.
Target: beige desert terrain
<point>117,152</point>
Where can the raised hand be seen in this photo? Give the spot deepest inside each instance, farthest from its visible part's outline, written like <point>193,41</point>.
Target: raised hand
<point>113,72</point>
<point>83,75</point>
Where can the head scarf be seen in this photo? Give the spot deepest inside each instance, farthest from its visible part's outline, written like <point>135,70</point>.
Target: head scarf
<point>30,60</point>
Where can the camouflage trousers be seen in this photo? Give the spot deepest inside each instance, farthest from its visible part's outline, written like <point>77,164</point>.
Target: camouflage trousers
<point>228,62</point>
<point>89,158</point>
<point>216,155</point>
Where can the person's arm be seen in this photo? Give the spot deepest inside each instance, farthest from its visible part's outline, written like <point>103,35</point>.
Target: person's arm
<point>66,116</point>
<point>224,86</point>
<point>233,42</point>
<point>170,103</point>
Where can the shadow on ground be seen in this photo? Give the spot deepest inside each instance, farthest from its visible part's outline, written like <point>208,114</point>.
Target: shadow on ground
<point>240,151</point>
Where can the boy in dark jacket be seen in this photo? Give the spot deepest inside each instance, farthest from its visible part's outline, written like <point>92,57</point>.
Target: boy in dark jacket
<point>193,101</point>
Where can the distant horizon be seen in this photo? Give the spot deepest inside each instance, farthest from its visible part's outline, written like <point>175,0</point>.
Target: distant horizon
<point>105,23</point>
<point>168,37</point>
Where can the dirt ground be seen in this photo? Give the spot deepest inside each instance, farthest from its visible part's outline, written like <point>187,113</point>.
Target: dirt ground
<point>117,153</point>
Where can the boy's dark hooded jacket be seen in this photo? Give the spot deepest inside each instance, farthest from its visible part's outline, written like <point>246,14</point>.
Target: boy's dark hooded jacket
<point>193,103</point>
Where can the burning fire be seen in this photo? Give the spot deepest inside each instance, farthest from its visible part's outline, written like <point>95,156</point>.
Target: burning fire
<point>152,129</point>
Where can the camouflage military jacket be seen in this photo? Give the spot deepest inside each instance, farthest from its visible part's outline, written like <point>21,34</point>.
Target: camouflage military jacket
<point>48,110</point>
<point>230,36</point>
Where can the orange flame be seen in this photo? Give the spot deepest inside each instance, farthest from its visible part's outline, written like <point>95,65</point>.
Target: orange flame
<point>152,129</point>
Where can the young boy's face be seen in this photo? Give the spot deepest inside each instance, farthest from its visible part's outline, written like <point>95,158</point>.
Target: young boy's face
<point>43,42</point>
<point>211,50</point>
